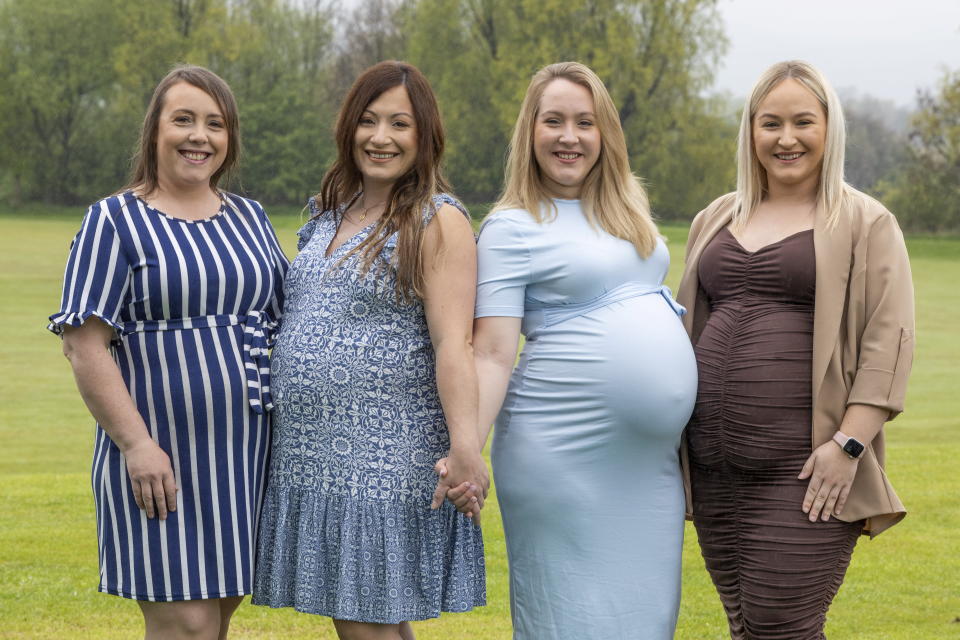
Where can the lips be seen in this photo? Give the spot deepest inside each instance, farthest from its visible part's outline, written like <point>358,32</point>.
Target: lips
<point>195,156</point>
<point>567,156</point>
<point>380,156</point>
<point>788,157</point>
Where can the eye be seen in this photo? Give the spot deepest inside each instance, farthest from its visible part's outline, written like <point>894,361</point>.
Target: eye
<point>366,121</point>
<point>551,121</point>
<point>585,123</point>
<point>803,123</point>
<point>769,124</point>
<point>400,124</point>
<point>182,119</point>
<point>216,124</point>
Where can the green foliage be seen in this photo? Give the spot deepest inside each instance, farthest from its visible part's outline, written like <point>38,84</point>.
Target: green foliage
<point>925,194</point>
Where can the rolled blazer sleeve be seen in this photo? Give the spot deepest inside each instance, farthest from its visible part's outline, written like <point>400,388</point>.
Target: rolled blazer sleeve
<point>886,342</point>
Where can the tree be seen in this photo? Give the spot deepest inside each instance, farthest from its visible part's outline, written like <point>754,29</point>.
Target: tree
<point>925,195</point>
<point>876,140</point>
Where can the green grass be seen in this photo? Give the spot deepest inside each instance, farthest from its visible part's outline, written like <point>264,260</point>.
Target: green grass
<point>902,586</point>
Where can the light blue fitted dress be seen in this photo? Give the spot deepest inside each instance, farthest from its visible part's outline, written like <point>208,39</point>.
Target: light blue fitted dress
<point>585,449</point>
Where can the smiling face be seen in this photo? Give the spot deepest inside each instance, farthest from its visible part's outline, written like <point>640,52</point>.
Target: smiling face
<point>192,138</point>
<point>566,139</point>
<point>789,134</point>
<point>385,142</point>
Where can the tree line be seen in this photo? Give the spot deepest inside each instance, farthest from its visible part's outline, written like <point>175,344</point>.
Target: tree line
<point>77,75</point>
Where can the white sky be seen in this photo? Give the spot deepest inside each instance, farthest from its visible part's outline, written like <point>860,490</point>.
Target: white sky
<point>884,48</point>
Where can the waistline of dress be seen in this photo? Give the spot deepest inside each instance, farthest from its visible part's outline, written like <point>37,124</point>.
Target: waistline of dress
<point>257,334</point>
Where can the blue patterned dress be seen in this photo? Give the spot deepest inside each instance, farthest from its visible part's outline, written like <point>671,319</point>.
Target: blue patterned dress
<point>347,530</point>
<point>193,304</point>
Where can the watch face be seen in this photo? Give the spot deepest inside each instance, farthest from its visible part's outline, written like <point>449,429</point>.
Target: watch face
<point>853,448</point>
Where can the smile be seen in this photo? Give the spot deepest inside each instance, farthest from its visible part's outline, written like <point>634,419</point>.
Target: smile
<point>567,156</point>
<point>787,157</point>
<point>195,156</point>
<point>375,155</point>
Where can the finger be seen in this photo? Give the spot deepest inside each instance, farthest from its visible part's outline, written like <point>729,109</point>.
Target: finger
<point>458,491</point>
<point>463,502</point>
<point>476,518</point>
<point>147,496</point>
<point>137,494</point>
<point>170,489</point>
<point>813,488</point>
<point>818,503</point>
<point>807,468</point>
<point>441,468</point>
<point>842,499</point>
<point>438,494</point>
<point>831,503</point>
<point>159,494</point>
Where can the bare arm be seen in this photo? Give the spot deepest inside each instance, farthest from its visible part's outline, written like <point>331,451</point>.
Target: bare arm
<point>450,276</point>
<point>495,341</point>
<point>105,394</point>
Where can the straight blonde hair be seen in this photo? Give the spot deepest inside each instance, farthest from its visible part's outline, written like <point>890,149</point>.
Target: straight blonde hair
<point>612,196</point>
<point>832,190</point>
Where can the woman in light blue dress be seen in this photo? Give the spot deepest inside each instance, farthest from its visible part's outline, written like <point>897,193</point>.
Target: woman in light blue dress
<point>585,450</point>
<point>374,382</point>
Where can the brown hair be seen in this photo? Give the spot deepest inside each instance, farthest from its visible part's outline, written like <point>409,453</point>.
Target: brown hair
<point>411,192</point>
<point>144,171</point>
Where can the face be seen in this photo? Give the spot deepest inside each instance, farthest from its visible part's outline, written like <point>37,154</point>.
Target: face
<point>566,139</point>
<point>385,143</point>
<point>191,138</point>
<point>789,135</point>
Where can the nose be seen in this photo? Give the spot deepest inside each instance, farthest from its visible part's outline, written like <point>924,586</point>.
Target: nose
<point>787,136</point>
<point>568,134</point>
<point>198,134</point>
<point>381,134</point>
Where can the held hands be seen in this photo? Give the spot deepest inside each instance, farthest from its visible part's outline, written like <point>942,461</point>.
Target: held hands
<point>831,473</point>
<point>464,480</point>
<point>152,478</point>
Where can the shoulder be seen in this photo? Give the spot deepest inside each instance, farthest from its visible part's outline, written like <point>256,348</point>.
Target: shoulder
<point>869,218</point>
<point>244,205</point>
<point>109,209</point>
<point>718,208</point>
<point>518,219</point>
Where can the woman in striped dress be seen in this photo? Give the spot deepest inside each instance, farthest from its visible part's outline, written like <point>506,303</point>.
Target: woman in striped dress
<point>171,293</point>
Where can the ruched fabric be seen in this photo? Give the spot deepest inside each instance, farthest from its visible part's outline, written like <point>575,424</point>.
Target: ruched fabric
<point>775,571</point>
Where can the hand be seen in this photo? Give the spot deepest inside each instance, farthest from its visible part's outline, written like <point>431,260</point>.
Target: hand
<point>152,478</point>
<point>466,496</point>
<point>831,473</point>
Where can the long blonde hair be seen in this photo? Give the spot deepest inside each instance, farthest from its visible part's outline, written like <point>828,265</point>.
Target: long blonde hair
<point>612,196</point>
<point>751,176</point>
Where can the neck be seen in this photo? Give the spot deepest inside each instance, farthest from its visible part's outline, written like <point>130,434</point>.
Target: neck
<point>375,193</point>
<point>803,193</point>
<point>193,194</point>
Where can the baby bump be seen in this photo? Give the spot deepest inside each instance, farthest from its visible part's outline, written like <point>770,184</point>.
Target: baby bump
<point>754,402</point>
<point>629,363</point>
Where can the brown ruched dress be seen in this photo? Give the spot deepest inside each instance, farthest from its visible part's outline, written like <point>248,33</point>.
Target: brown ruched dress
<point>775,571</point>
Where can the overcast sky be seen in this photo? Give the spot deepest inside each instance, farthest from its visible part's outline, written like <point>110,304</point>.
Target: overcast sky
<point>885,48</point>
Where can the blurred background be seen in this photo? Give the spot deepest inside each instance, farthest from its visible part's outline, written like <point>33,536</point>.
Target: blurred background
<point>77,74</point>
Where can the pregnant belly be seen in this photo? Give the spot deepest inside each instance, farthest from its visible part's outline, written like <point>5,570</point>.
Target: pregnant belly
<point>628,365</point>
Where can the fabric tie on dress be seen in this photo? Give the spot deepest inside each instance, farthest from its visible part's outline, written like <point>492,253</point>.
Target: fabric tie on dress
<point>556,313</point>
<point>257,329</point>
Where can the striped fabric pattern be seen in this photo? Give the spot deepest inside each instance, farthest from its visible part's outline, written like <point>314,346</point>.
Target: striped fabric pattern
<point>194,305</point>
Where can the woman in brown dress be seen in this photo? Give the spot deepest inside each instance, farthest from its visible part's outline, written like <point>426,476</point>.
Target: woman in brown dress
<point>801,312</point>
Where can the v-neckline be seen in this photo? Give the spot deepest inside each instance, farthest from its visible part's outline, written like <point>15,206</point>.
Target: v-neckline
<point>330,250</point>
<point>766,246</point>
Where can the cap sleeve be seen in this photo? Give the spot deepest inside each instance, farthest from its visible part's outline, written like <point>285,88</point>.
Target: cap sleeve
<point>97,276</point>
<point>503,268</point>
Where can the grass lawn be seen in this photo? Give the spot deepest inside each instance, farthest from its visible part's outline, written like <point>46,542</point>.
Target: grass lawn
<point>905,585</point>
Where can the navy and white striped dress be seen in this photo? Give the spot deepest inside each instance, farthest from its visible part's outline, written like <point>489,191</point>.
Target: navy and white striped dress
<point>194,305</point>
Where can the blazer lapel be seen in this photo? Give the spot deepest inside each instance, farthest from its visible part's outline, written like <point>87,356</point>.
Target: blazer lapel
<point>834,248</point>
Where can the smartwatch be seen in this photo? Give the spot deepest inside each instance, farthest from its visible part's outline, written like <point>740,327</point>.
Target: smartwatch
<point>851,446</point>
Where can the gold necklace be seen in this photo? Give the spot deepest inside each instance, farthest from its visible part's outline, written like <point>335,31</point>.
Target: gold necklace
<point>363,214</point>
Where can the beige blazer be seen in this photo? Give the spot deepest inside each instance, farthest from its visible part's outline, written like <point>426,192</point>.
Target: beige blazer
<point>862,334</point>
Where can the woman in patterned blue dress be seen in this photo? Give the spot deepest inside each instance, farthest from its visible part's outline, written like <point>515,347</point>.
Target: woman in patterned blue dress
<point>171,292</point>
<point>374,382</point>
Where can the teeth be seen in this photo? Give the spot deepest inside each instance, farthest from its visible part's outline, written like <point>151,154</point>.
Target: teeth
<point>381,156</point>
<point>195,155</point>
<point>788,156</point>
<point>568,156</point>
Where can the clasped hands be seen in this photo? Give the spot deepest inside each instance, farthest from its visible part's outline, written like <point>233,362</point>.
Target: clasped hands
<point>464,481</point>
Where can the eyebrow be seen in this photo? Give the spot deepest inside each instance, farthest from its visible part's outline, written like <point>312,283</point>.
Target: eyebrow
<point>805,114</point>
<point>393,115</point>
<point>560,113</point>
<point>215,114</point>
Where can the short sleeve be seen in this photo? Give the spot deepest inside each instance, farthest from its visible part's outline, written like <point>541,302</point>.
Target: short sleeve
<point>503,268</point>
<point>97,276</point>
<point>306,231</point>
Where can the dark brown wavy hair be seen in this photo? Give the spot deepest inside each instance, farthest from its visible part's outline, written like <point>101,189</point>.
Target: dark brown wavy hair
<point>143,174</point>
<point>411,192</point>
